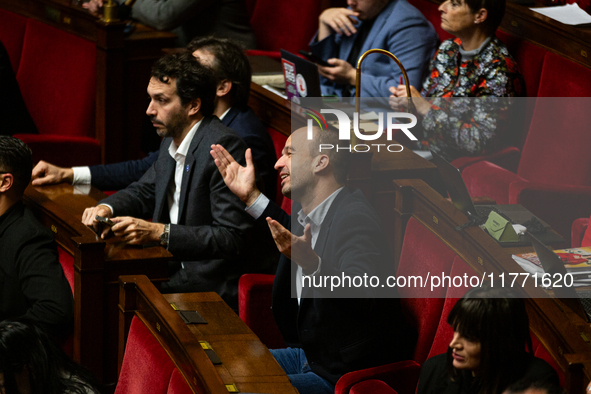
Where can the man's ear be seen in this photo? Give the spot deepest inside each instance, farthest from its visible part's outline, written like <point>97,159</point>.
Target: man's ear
<point>223,88</point>
<point>194,106</point>
<point>321,162</point>
<point>6,182</point>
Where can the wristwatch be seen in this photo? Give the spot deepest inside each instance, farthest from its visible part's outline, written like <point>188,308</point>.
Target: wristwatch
<point>165,235</point>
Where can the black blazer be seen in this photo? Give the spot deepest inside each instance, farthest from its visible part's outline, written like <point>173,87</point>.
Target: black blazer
<point>340,335</point>
<point>32,282</point>
<point>214,228</point>
<point>242,120</point>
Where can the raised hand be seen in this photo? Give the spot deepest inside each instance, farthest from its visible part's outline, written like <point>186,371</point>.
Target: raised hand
<point>240,180</point>
<point>297,249</point>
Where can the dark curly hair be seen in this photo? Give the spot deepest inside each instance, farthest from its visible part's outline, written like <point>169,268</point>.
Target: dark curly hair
<point>230,63</point>
<point>193,80</point>
<point>16,159</point>
<point>24,347</point>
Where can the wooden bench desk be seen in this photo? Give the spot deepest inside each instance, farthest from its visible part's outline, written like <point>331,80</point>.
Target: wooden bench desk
<point>246,362</point>
<point>97,266</point>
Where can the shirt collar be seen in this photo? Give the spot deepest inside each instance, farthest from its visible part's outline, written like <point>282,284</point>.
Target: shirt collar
<point>467,55</point>
<point>225,113</point>
<point>182,150</point>
<point>317,215</point>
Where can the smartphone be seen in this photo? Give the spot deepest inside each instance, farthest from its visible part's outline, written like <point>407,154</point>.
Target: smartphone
<point>106,221</point>
<point>314,59</point>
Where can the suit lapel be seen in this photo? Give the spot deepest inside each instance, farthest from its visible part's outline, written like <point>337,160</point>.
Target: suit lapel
<point>190,162</point>
<point>166,166</point>
<point>377,27</point>
<point>325,230</point>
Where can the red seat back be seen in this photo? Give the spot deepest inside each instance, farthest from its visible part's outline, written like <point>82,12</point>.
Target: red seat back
<point>529,58</point>
<point>556,150</point>
<point>57,77</point>
<point>286,25</point>
<point>146,367</point>
<point>422,253</point>
<point>563,78</point>
<point>444,332</point>
<point>541,352</point>
<point>12,32</point>
<point>279,142</point>
<point>67,263</point>
<point>431,12</point>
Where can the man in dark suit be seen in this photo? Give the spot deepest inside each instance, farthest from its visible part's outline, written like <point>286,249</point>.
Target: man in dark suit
<point>193,213</point>
<point>232,71</point>
<point>32,282</point>
<point>329,331</point>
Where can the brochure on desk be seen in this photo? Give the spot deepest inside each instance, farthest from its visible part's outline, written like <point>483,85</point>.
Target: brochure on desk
<point>577,262</point>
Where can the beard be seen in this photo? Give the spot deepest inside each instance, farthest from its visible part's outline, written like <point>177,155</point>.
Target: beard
<point>175,126</point>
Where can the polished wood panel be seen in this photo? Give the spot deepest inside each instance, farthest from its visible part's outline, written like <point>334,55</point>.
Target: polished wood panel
<point>246,362</point>
<point>97,266</point>
<point>561,331</point>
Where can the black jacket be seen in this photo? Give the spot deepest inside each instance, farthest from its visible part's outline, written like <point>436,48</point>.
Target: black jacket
<point>32,282</point>
<point>215,237</point>
<point>339,334</point>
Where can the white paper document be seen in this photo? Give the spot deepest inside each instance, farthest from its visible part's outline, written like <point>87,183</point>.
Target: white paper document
<point>570,14</point>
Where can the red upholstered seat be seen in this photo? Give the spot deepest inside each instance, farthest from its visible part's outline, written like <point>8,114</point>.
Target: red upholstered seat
<point>541,352</point>
<point>279,142</point>
<point>146,366</point>
<point>553,179</point>
<point>422,253</point>
<point>178,384</point>
<point>431,12</point>
<point>444,332</point>
<point>67,263</point>
<point>563,78</point>
<point>12,32</point>
<point>581,233</point>
<point>57,78</point>
<point>529,58</point>
<point>372,386</point>
<point>254,306</point>
<point>286,25</point>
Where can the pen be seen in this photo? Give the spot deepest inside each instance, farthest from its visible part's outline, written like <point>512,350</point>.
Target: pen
<point>401,80</point>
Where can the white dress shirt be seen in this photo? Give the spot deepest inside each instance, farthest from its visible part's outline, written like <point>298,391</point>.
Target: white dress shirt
<point>179,154</point>
<point>314,218</point>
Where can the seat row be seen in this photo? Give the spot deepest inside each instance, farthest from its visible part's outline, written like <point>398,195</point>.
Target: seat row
<point>56,73</point>
<point>427,312</point>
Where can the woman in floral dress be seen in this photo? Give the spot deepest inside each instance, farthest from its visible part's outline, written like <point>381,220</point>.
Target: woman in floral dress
<point>477,70</point>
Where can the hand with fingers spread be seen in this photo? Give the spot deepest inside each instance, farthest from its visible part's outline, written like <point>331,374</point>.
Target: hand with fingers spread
<point>240,180</point>
<point>339,20</point>
<point>340,71</point>
<point>47,174</point>
<point>136,231</point>
<point>297,249</point>
<point>89,219</point>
